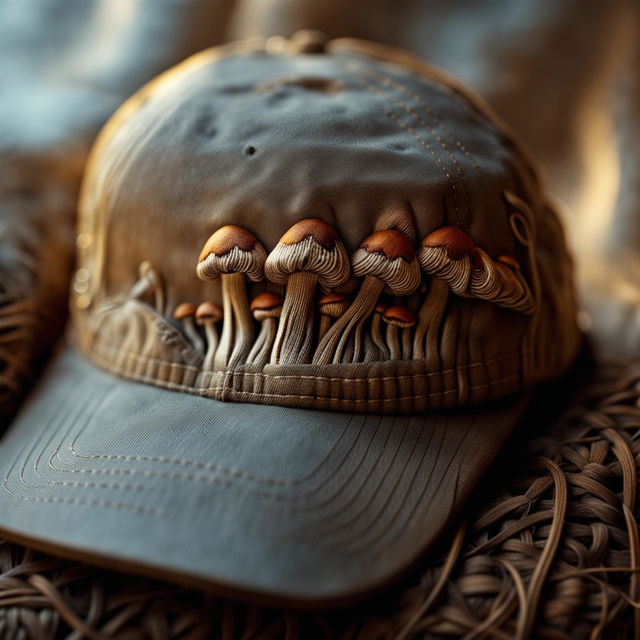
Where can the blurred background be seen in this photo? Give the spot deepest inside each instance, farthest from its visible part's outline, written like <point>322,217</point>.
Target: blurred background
<point>565,74</point>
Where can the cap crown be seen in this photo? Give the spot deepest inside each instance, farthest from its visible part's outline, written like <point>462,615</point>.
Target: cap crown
<point>366,139</point>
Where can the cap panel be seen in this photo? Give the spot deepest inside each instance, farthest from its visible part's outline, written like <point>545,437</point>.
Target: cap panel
<point>263,141</point>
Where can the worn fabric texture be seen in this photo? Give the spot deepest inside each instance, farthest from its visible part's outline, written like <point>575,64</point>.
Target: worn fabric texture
<point>263,140</point>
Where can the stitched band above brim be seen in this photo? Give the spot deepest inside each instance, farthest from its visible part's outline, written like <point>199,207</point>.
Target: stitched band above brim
<point>291,506</point>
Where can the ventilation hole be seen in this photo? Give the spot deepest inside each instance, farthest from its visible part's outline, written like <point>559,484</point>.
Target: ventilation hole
<point>250,150</point>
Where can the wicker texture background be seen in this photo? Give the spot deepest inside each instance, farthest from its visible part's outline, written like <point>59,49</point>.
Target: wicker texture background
<point>550,549</point>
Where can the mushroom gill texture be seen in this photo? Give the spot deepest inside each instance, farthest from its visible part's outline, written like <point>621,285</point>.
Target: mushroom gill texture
<point>233,254</point>
<point>399,318</point>
<point>184,313</point>
<point>450,257</point>
<point>449,254</point>
<point>385,259</point>
<point>208,314</point>
<point>331,305</point>
<point>266,308</point>
<point>308,254</point>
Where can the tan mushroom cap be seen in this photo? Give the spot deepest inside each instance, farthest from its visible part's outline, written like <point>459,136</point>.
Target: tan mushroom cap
<point>311,245</point>
<point>389,256</point>
<point>231,249</point>
<point>380,308</point>
<point>184,310</point>
<point>207,311</point>
<point>455,242</point>
<point>266,301</point>
<point>331,298</point>
<point>333,304</point>
<point>323,233</point>
<point>391,242</point>
<point>399,316</point>
<point>227,238</point>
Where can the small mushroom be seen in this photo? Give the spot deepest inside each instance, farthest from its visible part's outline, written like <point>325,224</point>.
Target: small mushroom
<point>233,254</point>
<point>385,259</point>
<point>308,254</point>
<point>208,314</point>
<point>184,313</point>
<point>449,254</point>
<point>150,280</point>
<point>266,308</point>
<point>399,317</point>
<point>331,306</point>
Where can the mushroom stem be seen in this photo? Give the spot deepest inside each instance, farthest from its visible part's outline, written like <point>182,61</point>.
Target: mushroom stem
<point>192,333</point>
<point>325,325</point>
<point>407,343</point>
<point>294,339</point>
<point>426,338</point>
<point>237,324</point>
<point>212,344</point>
<point>334,344</point>
<point>376,336</point>
<point>395,350</point>
<point>261,350</point>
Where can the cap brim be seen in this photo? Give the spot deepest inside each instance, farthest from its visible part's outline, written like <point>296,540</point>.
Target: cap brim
<point>289,506</point>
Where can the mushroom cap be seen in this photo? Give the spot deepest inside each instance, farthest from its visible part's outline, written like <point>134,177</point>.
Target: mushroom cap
<point>509,261</point>
<point>184,310</point>
<point>208,311</point>
<point>333,304</point>
<point>266,301</point>
<point>455,243</point>
<point>309,245</point>
<point>380,308</point>
<point>399,316</point>
<point>389,256</point>
<point>231,249</point>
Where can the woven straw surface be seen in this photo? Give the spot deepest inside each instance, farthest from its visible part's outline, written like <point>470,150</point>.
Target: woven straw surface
<point>547,550</point>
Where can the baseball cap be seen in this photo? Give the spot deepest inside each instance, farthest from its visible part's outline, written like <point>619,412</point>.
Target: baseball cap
<point>316,281</point>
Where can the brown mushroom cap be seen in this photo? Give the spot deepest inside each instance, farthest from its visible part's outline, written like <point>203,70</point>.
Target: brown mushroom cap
<point>333,304</point>
<point>323,233</point>
<point>184,310</point>
<point>310,245</point>
<point>388,255</point>
<point>380,308</point>
<point>208,311</point>
<point>399,316</point>
<point>231,249</point>
<point>266,301</point>
<point>455,242</point>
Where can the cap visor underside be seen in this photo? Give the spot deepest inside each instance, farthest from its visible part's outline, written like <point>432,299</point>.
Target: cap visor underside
<point>279,505</point>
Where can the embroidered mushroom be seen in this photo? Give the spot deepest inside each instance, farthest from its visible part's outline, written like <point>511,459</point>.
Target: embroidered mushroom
<point>385,259</point>
<point>449,254</point>
<point>266,308</point>
<point>308,254</point>
<point>399,317</point>
<point>450,257</point>
<point>149,280</point>
<point>207,315</point>
<point>331,306</point>
<point>184,313</point>
<point>233,254</point>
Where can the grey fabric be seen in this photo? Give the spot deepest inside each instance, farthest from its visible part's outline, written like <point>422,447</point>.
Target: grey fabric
<point>309,507</point>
